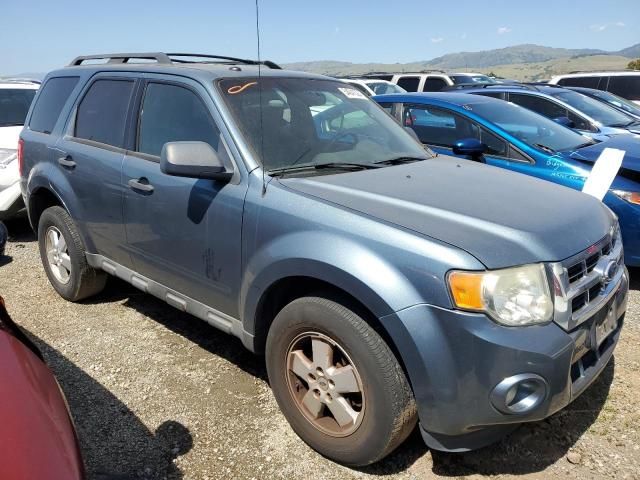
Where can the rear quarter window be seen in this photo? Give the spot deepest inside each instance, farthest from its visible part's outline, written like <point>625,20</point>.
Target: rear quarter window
<point>53,96</point>
<point>587,82</point>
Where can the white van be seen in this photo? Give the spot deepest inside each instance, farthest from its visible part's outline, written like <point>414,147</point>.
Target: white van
<point>625,84</point>
<point>15,99</point>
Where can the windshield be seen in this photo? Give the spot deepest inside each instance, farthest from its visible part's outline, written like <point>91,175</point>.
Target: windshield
<point>14,105</point>
<point>528,126</point>
<point>309,122</point>
<point>382,88</point>
<point>622,103</point>
<point>597,110</point>
<point>458,79</point>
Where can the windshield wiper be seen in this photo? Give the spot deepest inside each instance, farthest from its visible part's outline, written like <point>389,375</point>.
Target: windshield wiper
<point>322,166</point>
<point>11,124</point>
<point>400,160</point>
<point>544,147</point>
<point>623,125</point>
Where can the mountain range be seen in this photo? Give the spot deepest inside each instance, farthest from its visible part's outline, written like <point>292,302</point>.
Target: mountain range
<point>524,62</point>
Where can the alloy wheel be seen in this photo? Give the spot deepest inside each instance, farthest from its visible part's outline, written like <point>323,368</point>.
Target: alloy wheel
<point>58,255</point>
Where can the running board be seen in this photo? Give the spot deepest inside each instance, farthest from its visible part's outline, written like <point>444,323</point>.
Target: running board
<point>213,317</point>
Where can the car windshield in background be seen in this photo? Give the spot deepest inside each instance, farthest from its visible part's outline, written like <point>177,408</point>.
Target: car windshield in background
<point>460,79</point>
<point>531,128</point>
<point>14,105</point>
<point>383,88</point>
<point>312,122</point>
<point>622,103</point>
<point>597,110</point>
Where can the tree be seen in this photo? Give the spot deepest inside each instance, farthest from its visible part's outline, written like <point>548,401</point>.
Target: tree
<point>634,64</point>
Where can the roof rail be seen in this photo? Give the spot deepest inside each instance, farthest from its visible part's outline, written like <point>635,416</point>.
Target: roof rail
<point>20,80</point>
<point>166,58</point>
<point>462,86</point>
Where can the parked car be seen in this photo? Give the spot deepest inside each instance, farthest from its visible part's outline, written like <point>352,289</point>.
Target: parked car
<point>509,136</point>
<point>619,103</point>
<point>334,243</point>
<point>15,98</point>
<point>374,87</point>
<point>572,109</point>
<point>37,439</point>
<point>625,83</point>
<point>431,80</point>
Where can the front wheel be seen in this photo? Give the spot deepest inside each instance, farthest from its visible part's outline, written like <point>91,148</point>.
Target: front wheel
<point>337,382</point>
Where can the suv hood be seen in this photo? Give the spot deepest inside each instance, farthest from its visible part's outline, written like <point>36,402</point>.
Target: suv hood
<point>629,143</point>
<point>500,217</point>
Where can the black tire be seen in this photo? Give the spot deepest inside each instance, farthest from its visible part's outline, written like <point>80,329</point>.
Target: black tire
<point>84,281</point>
<point>389,413</point>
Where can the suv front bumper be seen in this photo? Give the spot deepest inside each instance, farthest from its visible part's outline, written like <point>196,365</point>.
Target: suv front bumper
<point>455,361</point>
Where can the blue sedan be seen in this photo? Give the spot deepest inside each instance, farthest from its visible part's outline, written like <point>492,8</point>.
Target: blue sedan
<point>509,136</point>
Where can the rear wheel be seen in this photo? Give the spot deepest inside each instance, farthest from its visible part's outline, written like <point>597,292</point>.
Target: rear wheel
<point>337,382</point>
<point>64,259</point>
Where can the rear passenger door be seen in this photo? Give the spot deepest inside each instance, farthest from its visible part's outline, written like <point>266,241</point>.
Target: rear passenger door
<point>183,233</point>
<point>90,155</point>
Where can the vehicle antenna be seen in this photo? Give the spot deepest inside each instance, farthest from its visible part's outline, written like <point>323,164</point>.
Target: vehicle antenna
<point>264,185</point>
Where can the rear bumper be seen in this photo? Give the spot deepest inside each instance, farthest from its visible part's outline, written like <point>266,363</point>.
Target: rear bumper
<point>455,361</point>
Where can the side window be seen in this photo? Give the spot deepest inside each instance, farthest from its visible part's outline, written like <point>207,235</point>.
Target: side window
<point>539,105</point>
<point>102,113</point>
<point>438,127</point>
<point>626,86</point>
<point>498,95</point>
<point>434,84</point>
<point>53,95</point>
<point>588,82</point>
<point>495,145</point>
<point>171,113</point>
<point>581,123</point>
<point>410,84</point>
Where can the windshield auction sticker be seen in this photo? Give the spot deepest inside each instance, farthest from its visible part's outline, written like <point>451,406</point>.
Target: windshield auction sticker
<point>352,93</point>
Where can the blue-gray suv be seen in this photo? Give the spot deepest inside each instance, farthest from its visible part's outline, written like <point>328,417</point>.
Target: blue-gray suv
<point>385,285</point>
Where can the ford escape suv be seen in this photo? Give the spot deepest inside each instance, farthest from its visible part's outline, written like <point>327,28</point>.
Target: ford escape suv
<point>384,285</point>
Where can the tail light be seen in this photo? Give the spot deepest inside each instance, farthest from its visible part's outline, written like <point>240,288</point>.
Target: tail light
<point>21,157</point>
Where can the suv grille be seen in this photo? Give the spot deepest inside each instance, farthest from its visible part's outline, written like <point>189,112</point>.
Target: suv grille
<point>585,282</point>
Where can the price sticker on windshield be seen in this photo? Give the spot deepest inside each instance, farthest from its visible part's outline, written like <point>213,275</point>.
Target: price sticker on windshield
<point>352,93</point>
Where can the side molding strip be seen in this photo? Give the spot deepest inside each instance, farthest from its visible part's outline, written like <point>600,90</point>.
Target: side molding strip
<point>213,317</point>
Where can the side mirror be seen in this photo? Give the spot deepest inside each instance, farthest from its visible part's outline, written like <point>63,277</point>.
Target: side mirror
<point>565,122</point>
<point>470,147</point>
<point>193,160</point>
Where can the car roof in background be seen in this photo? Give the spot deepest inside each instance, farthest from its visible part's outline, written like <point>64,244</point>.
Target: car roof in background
<point>453,98</point>
<point>19,83</point>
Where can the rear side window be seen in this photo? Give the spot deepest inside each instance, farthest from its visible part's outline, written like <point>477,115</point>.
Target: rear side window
<point>539,105</point>
<point>588,82</point>
<point>626,86</point>
<point>171,113</point>
<point>410,84</point>
<point>102,113</point>
<point>434,85</point>
<point>53,95</point>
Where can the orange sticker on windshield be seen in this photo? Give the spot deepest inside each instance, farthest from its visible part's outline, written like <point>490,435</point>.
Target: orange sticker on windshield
<point>240,88</point>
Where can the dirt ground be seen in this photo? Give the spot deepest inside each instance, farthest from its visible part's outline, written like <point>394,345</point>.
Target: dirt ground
<point>157,394</point>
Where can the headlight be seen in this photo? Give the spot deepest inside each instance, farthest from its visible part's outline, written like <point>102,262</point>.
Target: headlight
<point>7,156</point>
<point>631,197</point>
<point>512,296</point>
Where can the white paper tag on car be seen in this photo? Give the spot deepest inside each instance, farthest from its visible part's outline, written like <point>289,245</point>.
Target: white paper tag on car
<point>603,172</point>
<point>352,93</point>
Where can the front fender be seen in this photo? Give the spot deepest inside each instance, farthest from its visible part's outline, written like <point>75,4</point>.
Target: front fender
<point>343,263</point>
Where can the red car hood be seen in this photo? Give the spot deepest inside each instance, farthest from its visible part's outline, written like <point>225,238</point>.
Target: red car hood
<point>37,438</point>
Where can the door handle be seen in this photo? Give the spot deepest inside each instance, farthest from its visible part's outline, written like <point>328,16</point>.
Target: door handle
<point>67,162</point>
<point>141,184</point>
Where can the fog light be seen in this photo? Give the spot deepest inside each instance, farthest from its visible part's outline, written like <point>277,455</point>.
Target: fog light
<point>519,394</point>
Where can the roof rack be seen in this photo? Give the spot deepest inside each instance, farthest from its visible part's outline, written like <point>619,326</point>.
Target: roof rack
<point>167,59</point>
<point>462,86</point>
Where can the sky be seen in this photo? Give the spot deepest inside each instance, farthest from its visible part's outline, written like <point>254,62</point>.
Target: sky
<point>37,36</point>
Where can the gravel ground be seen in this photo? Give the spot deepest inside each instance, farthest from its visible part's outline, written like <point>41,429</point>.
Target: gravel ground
<point>157,394</point>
